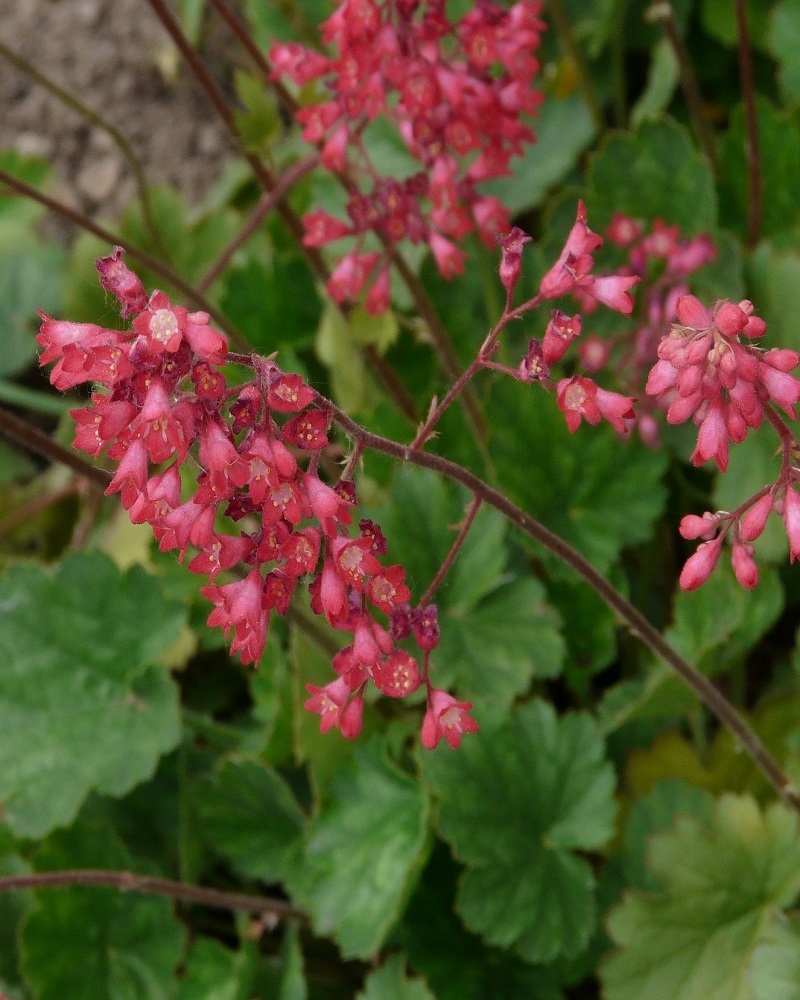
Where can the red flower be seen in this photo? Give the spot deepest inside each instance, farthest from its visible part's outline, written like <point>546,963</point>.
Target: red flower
<point>446,718</point>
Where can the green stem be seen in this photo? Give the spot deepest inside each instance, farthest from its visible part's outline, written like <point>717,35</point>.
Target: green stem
<point>35,399</point>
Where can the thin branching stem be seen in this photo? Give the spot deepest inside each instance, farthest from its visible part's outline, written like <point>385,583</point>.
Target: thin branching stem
<point>114,239</point>
<point>126,881</point>
<point>662,13</point>
<point>241,31</point>
<point>265,205</point>
<point>36,441</point>
<point>213,91</point>
<point>634,620</point>
<point>455,548</point>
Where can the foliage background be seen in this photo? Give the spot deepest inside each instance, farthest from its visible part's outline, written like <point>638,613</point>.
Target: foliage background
<point>601,835</point>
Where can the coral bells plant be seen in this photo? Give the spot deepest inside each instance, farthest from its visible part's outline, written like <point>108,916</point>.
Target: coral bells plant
<point>453,413</point>
<point>712,370</point>
<point>457,92</point>
<point>166,400</point>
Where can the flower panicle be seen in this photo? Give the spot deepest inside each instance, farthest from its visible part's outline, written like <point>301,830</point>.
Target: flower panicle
<point>161,398</point>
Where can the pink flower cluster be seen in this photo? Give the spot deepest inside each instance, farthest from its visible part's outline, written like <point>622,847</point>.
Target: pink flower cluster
<point>727,385</point>
<point>706,373</point>
<point>579,398</point>
<point>456,93</point>
<point>166,401</point>
<point>663,261</point>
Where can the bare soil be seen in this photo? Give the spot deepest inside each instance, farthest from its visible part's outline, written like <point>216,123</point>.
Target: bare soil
<point>115,57</point>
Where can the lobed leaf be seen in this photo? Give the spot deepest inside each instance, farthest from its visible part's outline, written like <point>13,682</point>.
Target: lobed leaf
<point>516,805</point>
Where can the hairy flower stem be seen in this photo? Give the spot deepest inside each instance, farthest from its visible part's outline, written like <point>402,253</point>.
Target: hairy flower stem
<point>98,121</point>
<point>636,623</point>
<point>127,881</point>
<point>114,239</point>
<point>39,443</point>
<point>663,13</point>
<point>269,183</point>
<point>455,548</point>
<point>266,203</point>
<point>438,334</point>
<point>752,150</point>
<point>481,360</point>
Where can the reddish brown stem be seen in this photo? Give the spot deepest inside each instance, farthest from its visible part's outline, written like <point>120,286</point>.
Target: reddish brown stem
<point>463,531</point>
<point>635,621</point>
<point>240,30</point>
<point>131,882</point>
<point>266,203</point>
<point>663,13</point>
<point>262,173</point>
<point>39,443</point>
<point>34,506</point>
<point>447,355</point>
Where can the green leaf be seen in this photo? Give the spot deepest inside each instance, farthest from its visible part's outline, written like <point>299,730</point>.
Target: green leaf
<point>779,151</point>
<point>653,173</point>
<point>456,964</point>
<point>492,650</point>
<point>293,980</point>
<point>662,79</point>
<point>753,464</point>
<point>214,972</point>
<point>564,129</point>
<point>363,852</point>
<point>248,815</point>
<point>656,813</point>
<point>515,806</point>
<point>260,123</point>
<point>192,13</point>
<point>589,627</point>
<point>336,348</point>
<point>379,332</point>
<point>97,944</point>
<point>390,982</point>
<point>275,305</point>
<point>497,631</point>
<point>776,965</point>
<point>719,20</point>
<point>29,280</point>
<point>80,706</point>
<point>696,939</point>
<point>717,624</point>
<point>774,280</point>
<point>594,491</point>
<point>783,39</point>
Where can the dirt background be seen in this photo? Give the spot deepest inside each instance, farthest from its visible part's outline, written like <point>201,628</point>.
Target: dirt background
<point>115,56</point>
